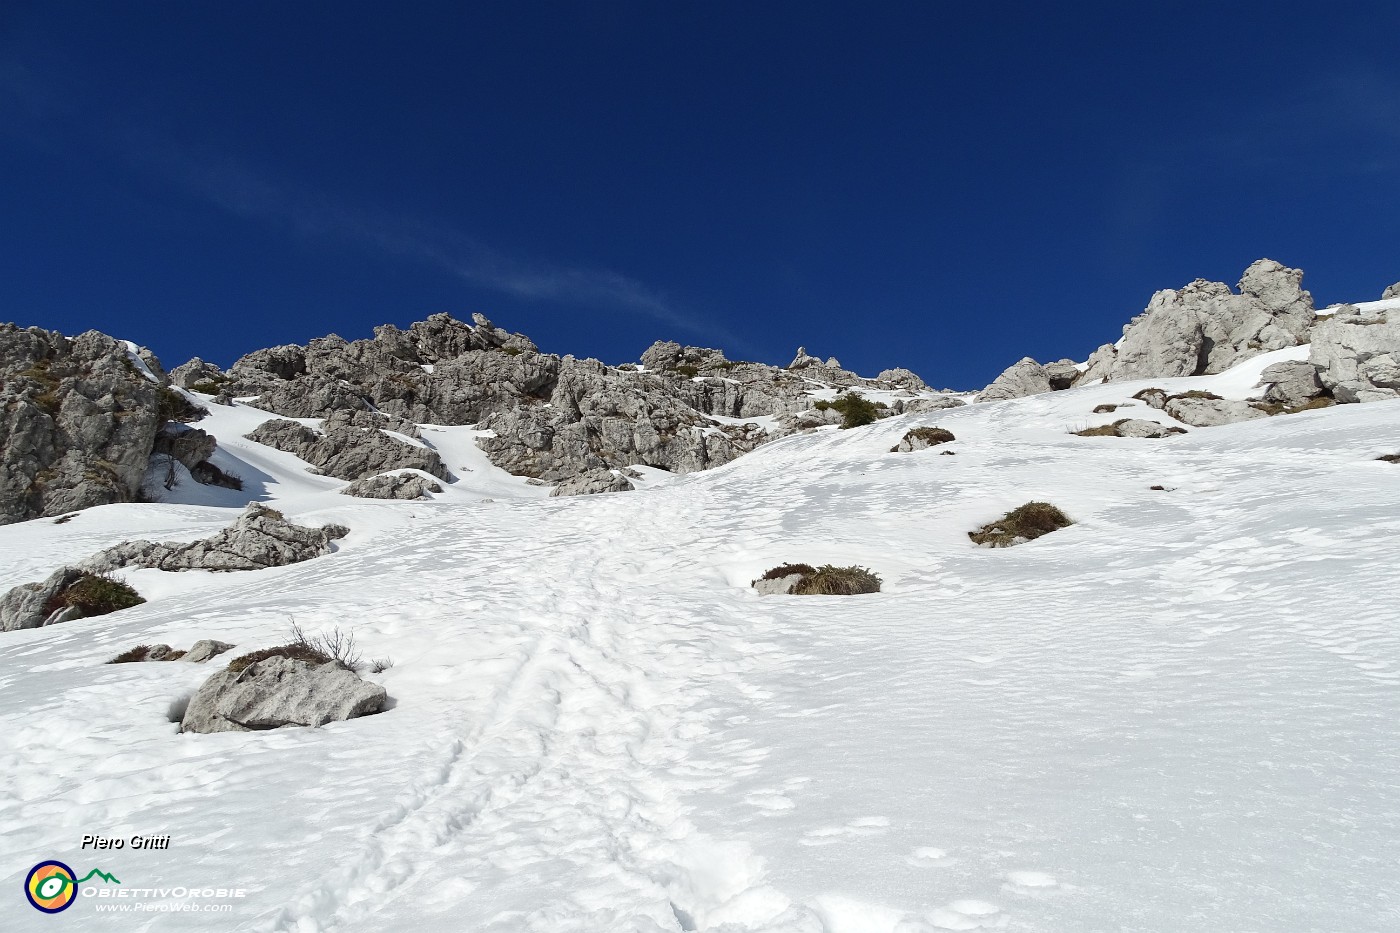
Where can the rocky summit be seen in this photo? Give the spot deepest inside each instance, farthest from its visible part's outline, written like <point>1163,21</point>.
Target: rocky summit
<point>93,420</point>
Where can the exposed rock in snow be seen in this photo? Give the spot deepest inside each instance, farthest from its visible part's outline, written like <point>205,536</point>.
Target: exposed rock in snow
<point>351,445</point>
<point>77,421</point>
<point>1062,373</point>
<point>1357,355</point>
<point>1153,398</point>
<point>777,586</point>
<point>1099,366</point>
<point>903,378</point>
<point>206,648</point>
<point>592,483</point>
<point>25,606</point>
<point>931,404</point>
<point>190,446</point>
<point>1140,427</point>
<point>1205,328</point>
<point>392,486</point>
<point>1291,383</point>
<point>922,438</point>
<point>277,692</point>
<point>1201,412</point>
<point>261,537</point>
<point>1022,378</point>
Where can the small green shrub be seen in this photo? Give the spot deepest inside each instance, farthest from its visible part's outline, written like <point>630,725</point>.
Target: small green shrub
<point>837,581</point>
<point>208,387</point>
<point>685,369</point>
<point>1023,523</point>
<point>821,404</point>
<point>512,351</point>
<point>95,594</point>
<point>856,410</point>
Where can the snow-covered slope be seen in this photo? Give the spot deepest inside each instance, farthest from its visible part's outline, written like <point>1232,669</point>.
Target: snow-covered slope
<point>1176,715</point>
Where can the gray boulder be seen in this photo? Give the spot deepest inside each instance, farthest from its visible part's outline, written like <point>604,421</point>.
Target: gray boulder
<point>391,486</point>
<point>206,648</point>
<point>1140,427</point>
<point>190,446</point>
<point>922,438</point>
<point>931,404</point>
<point>1153,398</point>
<point>25,606</point>
<point>1099,366</point>
<point>1291,383</point>
<point>78,418</point>
<point>1391,291</point>
<point>196,373</point>
<point>903,378</point>
<point>1205,328</point>
<point>277,692</point>
<point>1022,378</point>
<point>260,538</point>
<point>594,482</point>
<point>1202,412</point>
<point>1062,374</point>
<point>1357,355</point>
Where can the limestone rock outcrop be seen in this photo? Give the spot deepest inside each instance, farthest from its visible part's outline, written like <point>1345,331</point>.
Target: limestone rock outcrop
<point>1024,377</point>
<point>352,444</point>
<point>1292,383</point>
<point>78,417</point>
<point>1206,328</point>
<point>1357,354</point>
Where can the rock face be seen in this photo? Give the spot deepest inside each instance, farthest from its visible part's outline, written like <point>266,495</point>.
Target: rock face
<point>78,418</point>
<point>1205,328</point>
<point>260,538</point>
<point>277,692</point>
<point>352,445</point>
<point>24,606</point>
<point>1292,383</point>
<point>1391,291</point>
<point>1022,378</point>
<point>1209,412</point>
<point>1357,355</point>
<point>594,482</point>
<point>392,486</point>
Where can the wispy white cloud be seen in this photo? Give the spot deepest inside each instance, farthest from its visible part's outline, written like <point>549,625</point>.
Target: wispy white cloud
<point>49,115</point>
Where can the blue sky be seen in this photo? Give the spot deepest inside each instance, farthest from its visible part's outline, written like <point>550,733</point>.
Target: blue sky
<point>940,186</point>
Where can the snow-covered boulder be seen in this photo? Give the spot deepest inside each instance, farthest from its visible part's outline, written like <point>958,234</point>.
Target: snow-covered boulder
<point>392,486</point>
<point>1357,355</point>
<point>260,538</point>
<point>594,482</point>
<point>277,692</point>
<point>1202,411</point>
<point>1022,378</point>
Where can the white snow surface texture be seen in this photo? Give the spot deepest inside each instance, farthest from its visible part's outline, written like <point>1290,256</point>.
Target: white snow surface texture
<point>1179,714</point>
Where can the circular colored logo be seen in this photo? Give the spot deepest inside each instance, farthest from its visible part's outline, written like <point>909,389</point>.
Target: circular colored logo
<point>50,887</point>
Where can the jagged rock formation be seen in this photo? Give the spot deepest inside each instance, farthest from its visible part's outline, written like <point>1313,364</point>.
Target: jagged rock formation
<point>260,538</point>
<point>277,692</point>
<point>1357,355</point>
<point>197,375</point>
<point>78,418</point>
<point>1205,328</point>
<point>392,486</point>
<point>594,482</point>
<point>351,445</point>
<point>1391,291</point>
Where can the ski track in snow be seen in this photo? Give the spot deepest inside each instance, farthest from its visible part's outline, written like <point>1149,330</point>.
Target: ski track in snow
<point>1177,714</point>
